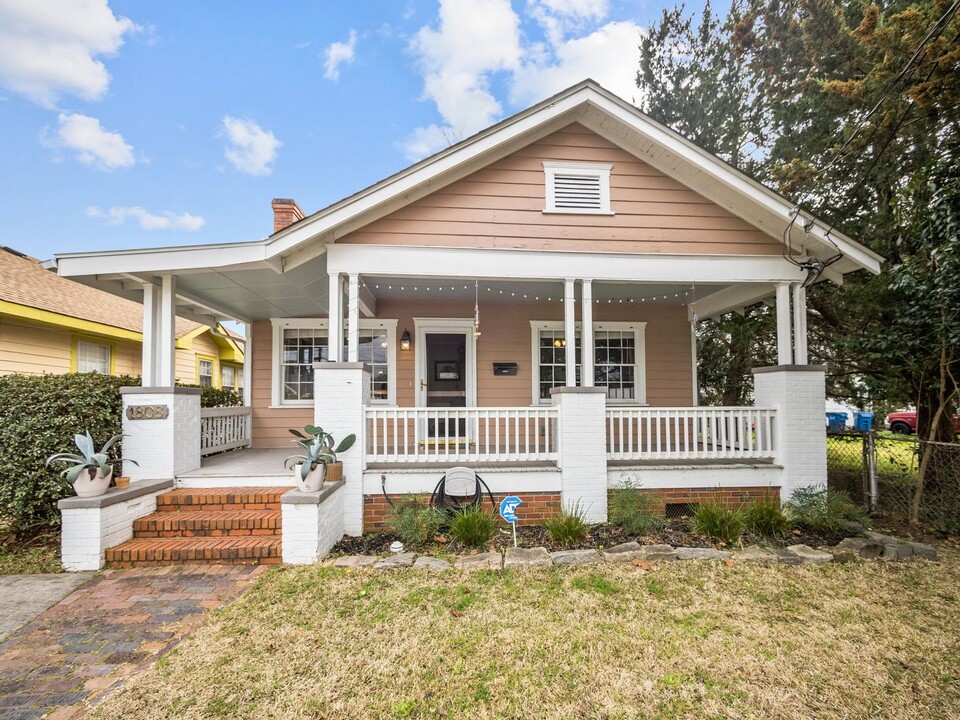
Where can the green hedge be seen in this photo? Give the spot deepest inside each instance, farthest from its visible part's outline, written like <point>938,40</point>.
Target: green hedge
<point>39,415</point>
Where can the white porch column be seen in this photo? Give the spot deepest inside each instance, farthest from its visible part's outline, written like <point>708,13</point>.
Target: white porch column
<point>798,394</point>
<point>784,350</point>
<point>342,391</point>
<point>149,370</point>
<point>334,318</point>
<point>799,324</point>
<point>586,335</point>
<point>582,449</point>
<point>353,319</point>
<point>248,375</point>
<point>166,342</point>
<point>570,331</point>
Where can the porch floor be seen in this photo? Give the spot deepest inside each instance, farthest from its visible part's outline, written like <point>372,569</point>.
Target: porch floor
<point>245,462</point>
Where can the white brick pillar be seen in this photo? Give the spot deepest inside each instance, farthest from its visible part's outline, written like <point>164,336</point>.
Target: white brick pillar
<point>161,431</point>
<point>582,445</point>
<point>798,392</point>
<point>342,391</point>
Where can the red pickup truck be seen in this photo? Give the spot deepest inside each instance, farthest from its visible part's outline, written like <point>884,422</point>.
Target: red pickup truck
<point>905,422</point>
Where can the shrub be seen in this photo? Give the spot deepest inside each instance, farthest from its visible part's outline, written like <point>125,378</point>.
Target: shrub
<point>823,509</point>
<point>569,527</point>
<point>632,509</point>
<point>414,522</point>
<point>39,415</point>
<point>764,517</point>
<point>215,397</point>
<point>717,522</point>
<point>473,526</point>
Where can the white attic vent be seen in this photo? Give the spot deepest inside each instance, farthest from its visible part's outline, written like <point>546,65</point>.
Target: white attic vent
<point>577,188</point>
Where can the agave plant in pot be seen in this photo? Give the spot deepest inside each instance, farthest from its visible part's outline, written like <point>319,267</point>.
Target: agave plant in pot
<point>319,459</point>
<point>92,471</point>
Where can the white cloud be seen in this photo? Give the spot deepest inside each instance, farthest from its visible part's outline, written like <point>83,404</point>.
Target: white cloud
<point>251,149</point>
<point>53,47</point>
<point>610,55</point>
<point>148,221</point>
<point>478,42</point>
<point>338,54</point>
<point>90,143</point>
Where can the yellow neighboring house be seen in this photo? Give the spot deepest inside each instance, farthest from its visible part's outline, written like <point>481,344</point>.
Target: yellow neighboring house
<point>49,324</point>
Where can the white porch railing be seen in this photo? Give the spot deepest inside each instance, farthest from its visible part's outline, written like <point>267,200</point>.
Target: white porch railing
<point>411,435</point>
<point>223,428</point>
<point>691,433</point>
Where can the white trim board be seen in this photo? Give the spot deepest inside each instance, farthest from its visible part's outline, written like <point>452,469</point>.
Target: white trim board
<point>422,326</point>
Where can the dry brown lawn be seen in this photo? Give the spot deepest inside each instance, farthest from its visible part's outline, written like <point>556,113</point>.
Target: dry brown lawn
<point>682,640</point>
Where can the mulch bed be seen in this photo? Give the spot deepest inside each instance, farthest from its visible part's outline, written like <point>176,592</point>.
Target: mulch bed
<point>676,532</point>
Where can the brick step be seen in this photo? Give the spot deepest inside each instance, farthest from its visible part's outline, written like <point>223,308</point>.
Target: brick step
<point>208,523</point>
<point>169,551</point>
<point>212,499</point>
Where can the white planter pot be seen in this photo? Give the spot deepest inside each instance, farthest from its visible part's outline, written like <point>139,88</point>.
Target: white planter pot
<point>314,479</point>
<point>86,486</point>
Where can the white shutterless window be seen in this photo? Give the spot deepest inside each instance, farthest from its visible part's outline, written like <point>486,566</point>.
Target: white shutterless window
<point>577,188</point>
<point>298,343</point>
<point>93,357</point>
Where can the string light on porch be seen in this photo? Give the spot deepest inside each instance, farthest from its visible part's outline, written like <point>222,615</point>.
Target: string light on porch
<point>684,294</point>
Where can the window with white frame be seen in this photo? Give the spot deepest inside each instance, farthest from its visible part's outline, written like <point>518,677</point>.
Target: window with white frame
<point>228,377</point>
<point>93,357</point>
<point>577,188</point>
<point>618,360</point>
<point>205,372</point>
<point>299,343</point>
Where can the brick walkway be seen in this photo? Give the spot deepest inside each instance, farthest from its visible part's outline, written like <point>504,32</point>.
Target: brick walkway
<point>68,657</point>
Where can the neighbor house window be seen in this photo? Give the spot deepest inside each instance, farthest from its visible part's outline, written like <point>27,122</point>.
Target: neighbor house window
<point>577,188</point>
<point>93,357</point>
<point>618,362</point>
<point>228,377</point>
<point>205,372</point>
<point>299,343</point>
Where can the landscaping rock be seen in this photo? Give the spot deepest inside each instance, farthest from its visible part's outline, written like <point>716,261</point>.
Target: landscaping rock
<point>786,557</point>
<point>685,553</point>
<point>756,554</point>
<point>624,552</point>
<point>852,525</point>
<point>809,556</point>
<point>481,561</point>
<point>355,561</point>
<point>576,557</point>
<point>430,563</point>
<point>927,552</point>
<point>897,551</point>
<point>517,557</point>
<point>881,538</point>
<point>850,549</point>
<point>657,553</point>
<point>393,562</point>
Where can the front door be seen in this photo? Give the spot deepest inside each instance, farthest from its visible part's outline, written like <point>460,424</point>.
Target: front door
<point>446,376</point>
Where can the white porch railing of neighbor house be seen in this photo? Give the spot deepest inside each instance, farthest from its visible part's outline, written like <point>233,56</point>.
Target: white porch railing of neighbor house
<point>413,435</point>
<point>223,428</point>
<point>691,433</point>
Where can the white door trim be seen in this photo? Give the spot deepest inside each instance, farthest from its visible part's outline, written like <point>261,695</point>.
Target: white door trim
<point>423,326</point>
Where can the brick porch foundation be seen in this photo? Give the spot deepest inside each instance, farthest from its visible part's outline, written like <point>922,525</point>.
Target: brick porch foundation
<point>731,497</point>
<point>536,507</point>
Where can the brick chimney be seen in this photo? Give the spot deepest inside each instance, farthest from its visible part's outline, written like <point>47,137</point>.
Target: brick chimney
<point>285,212</point>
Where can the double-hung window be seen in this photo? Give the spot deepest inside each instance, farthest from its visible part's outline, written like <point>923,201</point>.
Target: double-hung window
<point>299,343</point>
<point>205,371</point>
<point>618,360</point>
<point>93,357</point>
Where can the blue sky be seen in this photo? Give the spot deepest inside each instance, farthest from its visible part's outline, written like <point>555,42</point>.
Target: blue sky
<point>135,124</point>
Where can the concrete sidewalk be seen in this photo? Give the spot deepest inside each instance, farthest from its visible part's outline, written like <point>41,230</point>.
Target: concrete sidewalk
<point>23,597</point>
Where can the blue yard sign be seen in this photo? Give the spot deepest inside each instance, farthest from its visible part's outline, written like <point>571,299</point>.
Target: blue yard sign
<point>508,508</point>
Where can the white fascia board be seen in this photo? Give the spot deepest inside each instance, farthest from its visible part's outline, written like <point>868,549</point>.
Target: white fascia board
<point>731,298</point>
<point>541,265</point>
<point>160,260</point>
<point>756,192</point>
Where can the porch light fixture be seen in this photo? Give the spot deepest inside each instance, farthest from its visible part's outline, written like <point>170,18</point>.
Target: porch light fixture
<point>559,343</point>
<point>405,340</point>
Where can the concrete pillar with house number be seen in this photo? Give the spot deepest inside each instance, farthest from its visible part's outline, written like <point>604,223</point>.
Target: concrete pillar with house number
<point>341,392</point>
<point>161,431</point>
<point>582,448</point>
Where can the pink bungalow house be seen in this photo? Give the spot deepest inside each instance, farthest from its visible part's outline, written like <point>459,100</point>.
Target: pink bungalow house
<point>522,303</point>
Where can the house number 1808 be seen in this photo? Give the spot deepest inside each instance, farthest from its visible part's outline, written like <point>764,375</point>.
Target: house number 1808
<point>147,412</point>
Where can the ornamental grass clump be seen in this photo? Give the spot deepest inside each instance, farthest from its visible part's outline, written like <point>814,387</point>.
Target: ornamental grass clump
<point>569,527</point>
<point>632,509</point>
<point>765,518</point>
<point>473,526</point>
<point>414,522</point>
<point>719,523</point>
<point>820,508</point>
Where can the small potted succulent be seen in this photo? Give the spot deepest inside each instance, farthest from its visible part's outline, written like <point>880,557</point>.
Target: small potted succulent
<point>91,471</point>
<point>319,459</point>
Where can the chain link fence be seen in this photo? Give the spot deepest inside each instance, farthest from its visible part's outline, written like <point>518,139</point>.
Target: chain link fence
<point>898,477</point>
